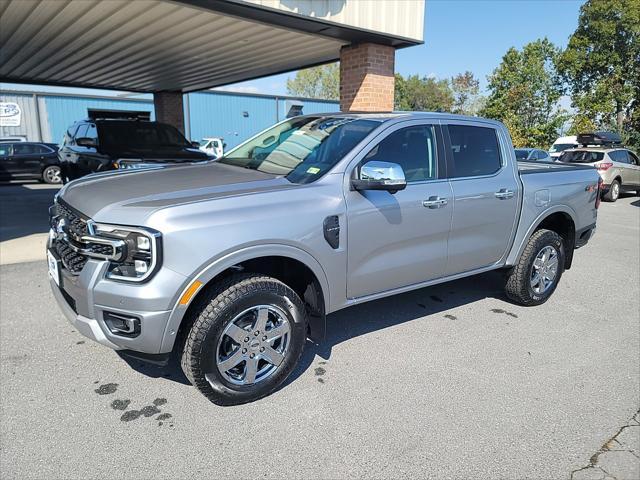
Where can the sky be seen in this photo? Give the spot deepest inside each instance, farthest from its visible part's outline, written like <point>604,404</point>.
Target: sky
<point>460,35</point>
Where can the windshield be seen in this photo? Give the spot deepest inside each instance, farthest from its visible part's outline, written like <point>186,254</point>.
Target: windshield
<point>301,149</point>
<point>581,156</point>
<point>561,147</point>
<point>136,135</point>
<point>522,154</point>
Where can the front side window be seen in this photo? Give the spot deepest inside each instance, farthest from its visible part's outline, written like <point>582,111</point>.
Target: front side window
<point>540,155</point>
<point>413,148</point>
<point>301,149</point>
<point>82,132</point>
<point>5,149</point>
<point>475,151</point>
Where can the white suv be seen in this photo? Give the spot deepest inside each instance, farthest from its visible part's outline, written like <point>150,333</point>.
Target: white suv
<point>619,168</point>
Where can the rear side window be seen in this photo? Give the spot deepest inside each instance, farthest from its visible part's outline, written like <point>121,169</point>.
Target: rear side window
<point>22,149</point>
<point>581,156</point>
<point>633,159</point>
<point>475,151</point>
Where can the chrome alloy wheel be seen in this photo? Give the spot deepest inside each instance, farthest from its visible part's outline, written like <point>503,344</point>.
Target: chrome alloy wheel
<point>615,191</point>
<point>545,269</point>
<point>253,345</point>
<point>53,175</point>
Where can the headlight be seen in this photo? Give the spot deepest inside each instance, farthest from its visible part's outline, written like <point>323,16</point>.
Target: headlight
<point>141,255</point>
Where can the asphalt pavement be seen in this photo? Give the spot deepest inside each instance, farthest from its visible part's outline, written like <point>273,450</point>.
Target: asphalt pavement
<point>451,381</point>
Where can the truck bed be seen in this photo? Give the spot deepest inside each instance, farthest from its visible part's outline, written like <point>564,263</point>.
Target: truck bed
<point>525,167</point>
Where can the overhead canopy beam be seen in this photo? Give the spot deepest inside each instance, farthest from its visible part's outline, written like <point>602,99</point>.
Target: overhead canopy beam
<point>163,45</point>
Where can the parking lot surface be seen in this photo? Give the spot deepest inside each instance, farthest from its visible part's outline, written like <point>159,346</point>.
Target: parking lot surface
<point>451,381</point>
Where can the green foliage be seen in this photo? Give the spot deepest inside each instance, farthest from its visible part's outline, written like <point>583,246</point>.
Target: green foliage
<point>423,93</point>
<point>466,98</point>
<point>316,82</point>
<point>602,67</point>
<point>524,93</point>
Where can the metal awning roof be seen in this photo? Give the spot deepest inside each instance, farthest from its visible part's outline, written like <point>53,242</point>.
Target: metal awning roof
<point>159,45</point>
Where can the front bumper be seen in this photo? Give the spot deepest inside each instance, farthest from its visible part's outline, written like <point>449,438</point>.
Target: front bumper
<point>84,299</point>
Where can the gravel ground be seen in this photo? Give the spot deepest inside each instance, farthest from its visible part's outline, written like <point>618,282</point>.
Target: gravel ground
<point>446,382</point>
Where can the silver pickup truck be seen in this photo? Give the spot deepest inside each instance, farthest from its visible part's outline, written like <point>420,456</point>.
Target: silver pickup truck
<point>235,263</point>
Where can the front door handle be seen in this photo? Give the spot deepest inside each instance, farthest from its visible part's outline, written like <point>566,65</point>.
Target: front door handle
<point>504,194</point>
<point>434,202</point>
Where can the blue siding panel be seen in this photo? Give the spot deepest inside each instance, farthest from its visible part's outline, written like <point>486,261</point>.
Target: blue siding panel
<point>234,117</point>
<point>223,115</point>
<point>63,111</point>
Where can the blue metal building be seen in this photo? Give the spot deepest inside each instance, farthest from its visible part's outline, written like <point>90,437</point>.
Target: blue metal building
<point>230,115</point>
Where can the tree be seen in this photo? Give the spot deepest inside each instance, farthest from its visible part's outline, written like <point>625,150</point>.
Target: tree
<point>423,93</point>
<point>524,93</point>
<point>465,89</point>
<point>601,64</point>
<point>316,82</point>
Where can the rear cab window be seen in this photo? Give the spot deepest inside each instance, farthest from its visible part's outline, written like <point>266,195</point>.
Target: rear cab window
<point>475,151</point>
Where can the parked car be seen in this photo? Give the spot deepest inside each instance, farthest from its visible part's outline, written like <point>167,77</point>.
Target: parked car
<point>618,167</point>
<point>214,146</point>
<point>29,161</point>
<point>13,139</point>
<point>234,263</point>
<point>561,144</point>
<point>532,155</point>
<point>98,145</point>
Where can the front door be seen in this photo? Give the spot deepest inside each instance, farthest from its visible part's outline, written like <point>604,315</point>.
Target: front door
<point>485,196</point>
<point>397,240</point>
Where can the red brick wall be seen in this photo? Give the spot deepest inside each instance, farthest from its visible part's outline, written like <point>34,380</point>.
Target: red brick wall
<point>367,78</point>
<point>169,108</point>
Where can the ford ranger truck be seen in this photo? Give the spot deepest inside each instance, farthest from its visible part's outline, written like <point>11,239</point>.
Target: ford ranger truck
<point>233,264</point>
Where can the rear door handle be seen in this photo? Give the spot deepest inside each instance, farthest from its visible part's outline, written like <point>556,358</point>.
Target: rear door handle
<point>434,202</point>
<point>504,194</point>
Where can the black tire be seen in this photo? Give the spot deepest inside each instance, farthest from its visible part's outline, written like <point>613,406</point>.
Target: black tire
<point>52,175</point>
<point>212,315</point>
<point>614,192</point>
<point>518,286</point>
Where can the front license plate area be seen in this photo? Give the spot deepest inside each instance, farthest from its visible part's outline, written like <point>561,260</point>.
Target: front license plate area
<point>54,267</point>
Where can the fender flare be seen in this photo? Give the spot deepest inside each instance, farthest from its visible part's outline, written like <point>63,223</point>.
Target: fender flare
<point>218,265</point>
<point>515,254</point>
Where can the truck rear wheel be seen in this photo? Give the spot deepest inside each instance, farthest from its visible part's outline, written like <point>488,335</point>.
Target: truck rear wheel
<point>247,336</point>
<point>536,275</point>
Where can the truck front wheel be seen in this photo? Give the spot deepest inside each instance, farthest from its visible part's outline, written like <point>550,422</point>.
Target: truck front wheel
<point>247,337</point>
<point>536,275</point>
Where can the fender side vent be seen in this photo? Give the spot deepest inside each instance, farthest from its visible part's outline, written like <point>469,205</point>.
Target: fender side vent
<point>331,229</point>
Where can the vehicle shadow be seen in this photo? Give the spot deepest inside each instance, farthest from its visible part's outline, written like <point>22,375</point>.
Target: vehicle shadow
<point>359,320</point>
<point>24,209</point>
<point>377,315</point>
<point>636,203</point>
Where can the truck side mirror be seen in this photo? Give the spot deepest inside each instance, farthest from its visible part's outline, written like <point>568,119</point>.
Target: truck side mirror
<point>376,175</point>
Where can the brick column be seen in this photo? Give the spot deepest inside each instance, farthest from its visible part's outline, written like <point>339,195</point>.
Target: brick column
<point>169,108</point>
<point>367,78</point>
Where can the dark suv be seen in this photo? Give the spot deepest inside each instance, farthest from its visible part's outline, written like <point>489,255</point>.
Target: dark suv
<point>29,161</point>
<point>97,145</point>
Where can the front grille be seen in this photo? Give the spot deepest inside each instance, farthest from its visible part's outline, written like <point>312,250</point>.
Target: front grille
<point>72,261</point>
<point>75,227</point>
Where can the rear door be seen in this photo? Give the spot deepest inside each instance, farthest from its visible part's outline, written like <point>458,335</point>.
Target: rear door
<point>27,158</point>
<point>397,240</point>
<point>485,194</point>
<point>634,167</point>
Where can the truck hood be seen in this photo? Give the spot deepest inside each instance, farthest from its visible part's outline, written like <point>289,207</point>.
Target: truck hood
<point>162,153</point>
<point>129,196</point>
